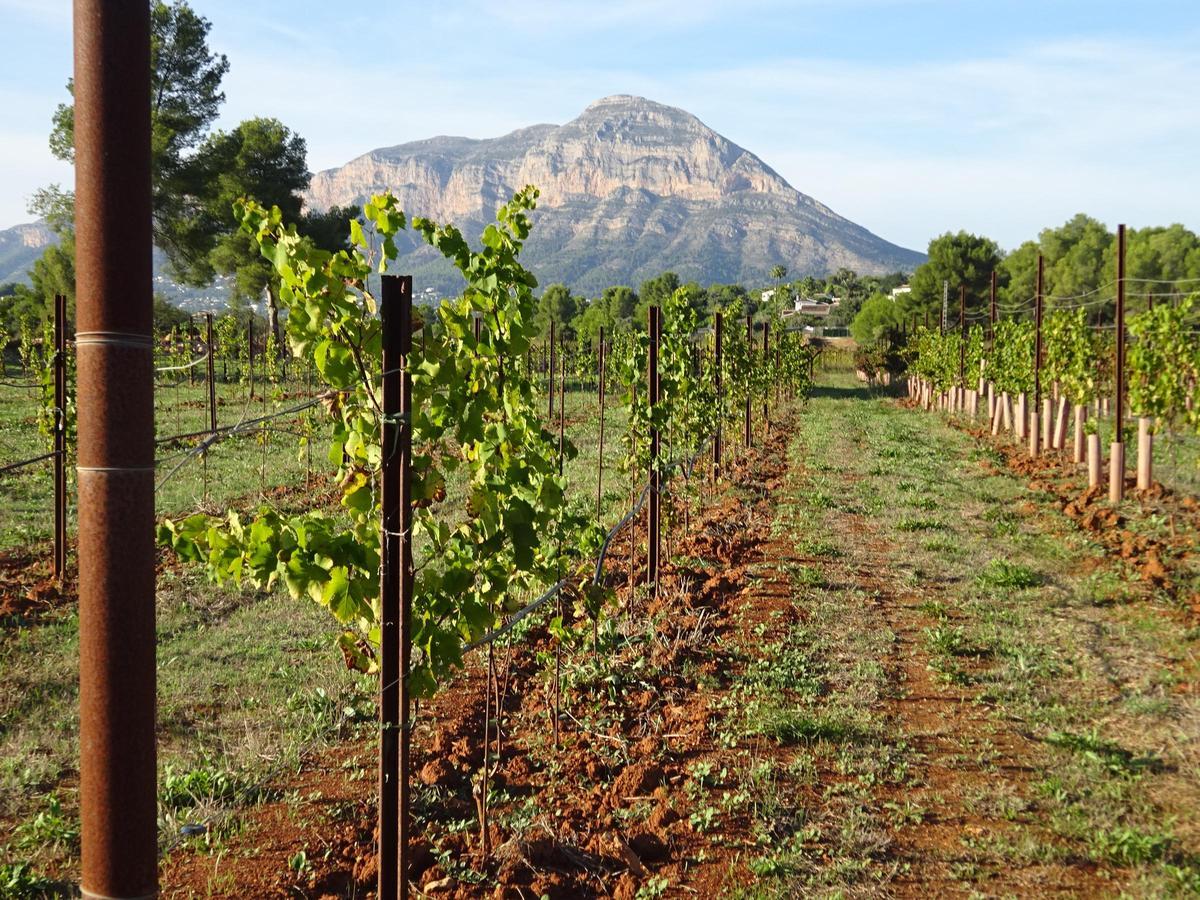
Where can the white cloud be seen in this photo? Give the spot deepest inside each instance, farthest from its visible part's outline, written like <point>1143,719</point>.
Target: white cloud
<point>1005,142</point>
<point>1006,145</point>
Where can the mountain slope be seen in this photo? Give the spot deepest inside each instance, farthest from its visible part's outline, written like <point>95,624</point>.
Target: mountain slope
<point>20,247</point>
<point>629,189</point>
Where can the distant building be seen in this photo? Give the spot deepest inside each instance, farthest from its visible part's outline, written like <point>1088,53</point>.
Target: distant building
<point>903,289</point>
<point>813,308</point>
<point>820,305</point>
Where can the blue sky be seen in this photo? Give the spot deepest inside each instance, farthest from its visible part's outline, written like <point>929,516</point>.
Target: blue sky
<point>910,117</point>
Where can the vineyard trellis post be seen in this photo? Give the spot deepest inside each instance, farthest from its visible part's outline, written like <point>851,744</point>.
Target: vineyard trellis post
<point>558,599</point>
<point>992,308</point>
<point>550,376</point>
<point>1035,407</point>
<point>1116,475</point>
<point>115,455</point>
<point>600,403</point>
<point>652,385</point>
<point>250,353</point>
<point>717,333</point>
<point>60,436</point>
<point>212,374</point>
<point>749,356</point>
<point>962,339</point>
<point>766,387</point>
<point>395,586</point>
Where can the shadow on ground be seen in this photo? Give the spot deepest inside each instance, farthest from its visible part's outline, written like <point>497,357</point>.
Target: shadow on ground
<point>858,391</point>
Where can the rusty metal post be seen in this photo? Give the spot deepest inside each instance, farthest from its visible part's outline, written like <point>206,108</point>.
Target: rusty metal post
<point>60,436</point>
<point>550,375</point>
<point>250,353</point>
<point>562,405</point>
<point>1116,482</point>
<point>750,364</point>
<point>717,363</point>
<point>115,353</point>
<point>395,587</point>
<point>212,377</point>
<point>600,390</point>
<point>652,386</point>
<point>992,310</point>
<point>962,338</point>
<point>766,388</point>
<point>1035,413</point>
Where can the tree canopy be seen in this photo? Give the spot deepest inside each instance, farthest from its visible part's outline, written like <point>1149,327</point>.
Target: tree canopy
<point>877,319</point>
<point>954,259</point>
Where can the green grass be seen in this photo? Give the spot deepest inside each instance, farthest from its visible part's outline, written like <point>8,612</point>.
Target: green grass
<point>1025,622</point>
<point>247,681</point>
<point>1083,666</point>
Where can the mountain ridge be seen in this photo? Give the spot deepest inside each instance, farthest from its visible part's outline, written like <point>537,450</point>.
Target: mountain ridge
<point>628,189</point>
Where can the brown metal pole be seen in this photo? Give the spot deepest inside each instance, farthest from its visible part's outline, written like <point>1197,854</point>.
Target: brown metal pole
<point>250,352</point>
<point>60,436</point>
<point>600,456</point>
<point>396,583</point>
<point>212,378</point>
<point>962,340</point>
<point>717,334</point>
<point>992,310</point>
<point>750,363</point>
<point>550,375</point>
<point>1035,417</point>
<point>652,385</point>
<point>562,406</point>
<point>766,389</point>
<point>117,763</point>
<point>1116,491</point>
<point>1119,399</point>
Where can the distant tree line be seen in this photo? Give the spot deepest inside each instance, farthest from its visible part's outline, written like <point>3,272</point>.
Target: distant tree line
<point>622,307</point>
<point>1080,270</point>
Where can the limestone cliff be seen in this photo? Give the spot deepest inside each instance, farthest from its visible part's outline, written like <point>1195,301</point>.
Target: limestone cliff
<point>628,189</point>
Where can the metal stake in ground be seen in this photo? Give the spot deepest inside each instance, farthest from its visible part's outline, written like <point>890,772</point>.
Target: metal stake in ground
<point>766,387</point>
<point>212,373</point>
<point>550,375</point>
<point>652,385</point>
<point>250,353</point>
<point>717,331</point>
<point>1035,413</point>
<point>992,311</point>
<point>562,431</point>
<point>962,337</point>
<point>117,764</point>
<point>395,586</point>
<point>60,436</point>
<point>749,365</point>
<point>1116,478</point>
<point>600,391</point>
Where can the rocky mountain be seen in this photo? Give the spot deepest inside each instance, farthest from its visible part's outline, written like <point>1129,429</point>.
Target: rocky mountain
<point>20,247</point>
<point>629,189</point>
